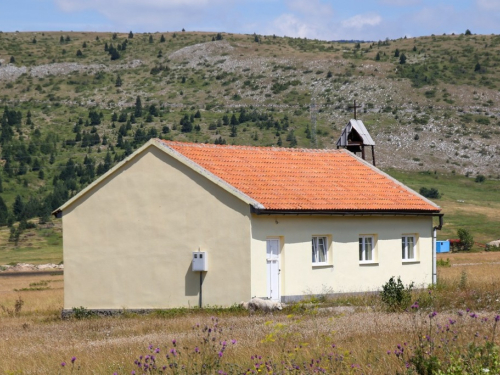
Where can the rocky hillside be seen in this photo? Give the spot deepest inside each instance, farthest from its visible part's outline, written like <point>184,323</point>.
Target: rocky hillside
<point>76,103</point>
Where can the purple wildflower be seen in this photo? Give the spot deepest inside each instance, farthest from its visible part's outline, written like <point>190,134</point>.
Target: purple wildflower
<point>497,318</point>
<point>196,350</point>
<point>472,315</point>
<point>220,354</point>
<point>174,342</point>
<point>233,341</point>
<point>432,314</point>
<point>63,364</point>
<point>73,359</point>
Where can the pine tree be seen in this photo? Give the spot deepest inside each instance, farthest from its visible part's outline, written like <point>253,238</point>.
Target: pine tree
<point>234,131</point>
<point>377,58</point>
<point>18,208</point>
<point>4,212</point>
<point>130,34</point>
<point>118,82</point>
<point>402,59</point>
<point>151,40</point>
<point>79,53</point>
<point>138,107</point>
<point>162,39</point>
<point>396,53</point>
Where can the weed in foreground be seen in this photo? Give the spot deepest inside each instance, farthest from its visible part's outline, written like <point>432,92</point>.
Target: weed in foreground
<point>455,345</point>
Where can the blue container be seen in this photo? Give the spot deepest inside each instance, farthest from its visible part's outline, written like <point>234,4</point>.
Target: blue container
<point>442,246</point>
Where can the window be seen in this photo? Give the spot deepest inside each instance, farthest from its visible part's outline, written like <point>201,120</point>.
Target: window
<point>319,249</point>
<point>366,249</point>
<point>408,247</point>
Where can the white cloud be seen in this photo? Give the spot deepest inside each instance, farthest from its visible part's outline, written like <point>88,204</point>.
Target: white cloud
<point>290,25</point>
<point>152,15</point>
<point>400,3</point>
<point>488,4</point>
<point>310,8</point>
<point>360,21</point>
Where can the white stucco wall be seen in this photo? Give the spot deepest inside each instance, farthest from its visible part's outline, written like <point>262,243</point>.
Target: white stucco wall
<point>344,273</point>
<point>128,242</point>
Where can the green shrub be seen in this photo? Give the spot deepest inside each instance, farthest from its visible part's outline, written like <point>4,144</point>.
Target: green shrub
<point>82,313</point>
<point>430,193</point>
<point>466,239</point>
<point>395,295</point>
<point>480,178</point>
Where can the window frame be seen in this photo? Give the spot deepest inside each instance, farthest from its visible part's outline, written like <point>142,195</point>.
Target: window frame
<point>326,245</point>
<point>362,242</point>
<point>404,247</point>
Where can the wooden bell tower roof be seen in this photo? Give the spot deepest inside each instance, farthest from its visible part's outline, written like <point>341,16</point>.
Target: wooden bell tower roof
<point>355,138</point>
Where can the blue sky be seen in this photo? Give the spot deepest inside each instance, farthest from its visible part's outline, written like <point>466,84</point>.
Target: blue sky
<point>321,19</point>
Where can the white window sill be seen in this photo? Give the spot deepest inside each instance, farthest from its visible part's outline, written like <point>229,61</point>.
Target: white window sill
<point>410,261</point>
<point>368,263</point>
<point>322,265</point>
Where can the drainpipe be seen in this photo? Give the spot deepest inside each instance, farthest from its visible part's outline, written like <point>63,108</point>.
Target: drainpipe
<point>434,265</point>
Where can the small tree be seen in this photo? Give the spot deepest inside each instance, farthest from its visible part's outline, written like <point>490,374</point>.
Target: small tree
<point>151,40</point>
<point>480,178</point>
<point>118,82</point>
<point>467,32</point>
<point>402,59</point>
<point>430,193</point>
<point>234,132</point>
<point>162,39</point>
<point>395,295</point>
<point>79,53</point>
<point>377,58</point>
<point>12,60</point>
<point>466,239</point>
<point>130,34</point>
<point>396,53</point>
<point>477,68</point>
<point>138,107</point>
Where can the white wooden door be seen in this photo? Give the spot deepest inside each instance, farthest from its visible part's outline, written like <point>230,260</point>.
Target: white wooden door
<point>273,269</point>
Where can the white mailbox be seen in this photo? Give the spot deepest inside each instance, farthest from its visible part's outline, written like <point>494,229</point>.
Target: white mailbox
<point>200,261</point>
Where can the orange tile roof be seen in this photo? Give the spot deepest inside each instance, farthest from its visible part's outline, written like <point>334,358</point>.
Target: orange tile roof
<point>304,179</point>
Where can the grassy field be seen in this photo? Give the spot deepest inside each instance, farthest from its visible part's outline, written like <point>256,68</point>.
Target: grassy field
<point>37,246</point>
<point>349,335</point>
<point>465,203</point>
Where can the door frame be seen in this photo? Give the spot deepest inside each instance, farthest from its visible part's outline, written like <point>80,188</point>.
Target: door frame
<point>279,240</point>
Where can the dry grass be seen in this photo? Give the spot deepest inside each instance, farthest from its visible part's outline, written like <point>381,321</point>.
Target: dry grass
<point>37,341</point>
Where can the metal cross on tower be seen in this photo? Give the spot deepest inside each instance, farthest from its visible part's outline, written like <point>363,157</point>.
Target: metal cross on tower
<point>354,106</point>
